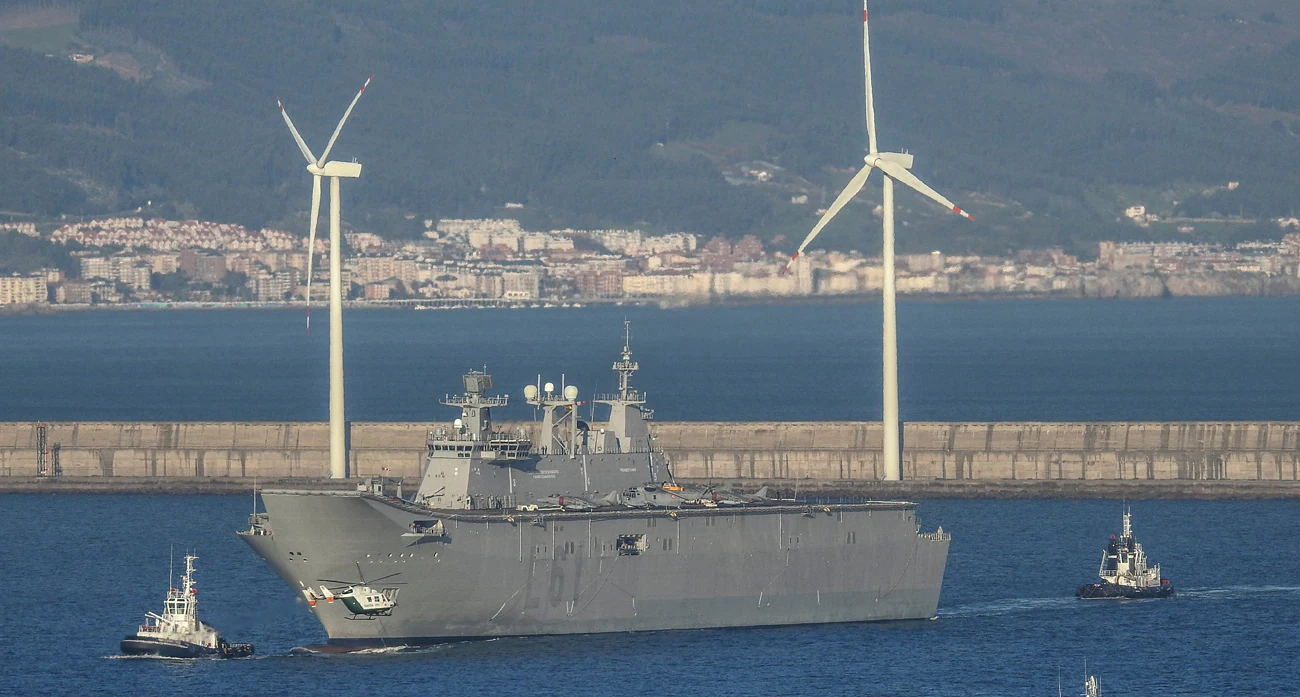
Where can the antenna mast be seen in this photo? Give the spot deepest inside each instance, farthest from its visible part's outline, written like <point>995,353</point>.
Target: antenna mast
<point>626,367</point>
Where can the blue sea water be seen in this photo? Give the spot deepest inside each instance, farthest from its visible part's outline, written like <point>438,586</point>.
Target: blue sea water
<point>1187,359</point>
<point>80,571</point>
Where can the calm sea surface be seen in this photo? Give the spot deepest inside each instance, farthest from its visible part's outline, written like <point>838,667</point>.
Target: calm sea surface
<point>1216,359</point>
<point>82,570</point>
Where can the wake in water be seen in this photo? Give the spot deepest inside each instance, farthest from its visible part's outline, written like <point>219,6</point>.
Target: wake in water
<point>122,657</point>
<point>1006,606</point>
<point>1236,591</point>
<point>326,650</point>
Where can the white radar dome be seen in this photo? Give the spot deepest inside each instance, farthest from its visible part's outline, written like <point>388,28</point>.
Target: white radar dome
<point>530,391</point>
<point>458,423</point>
<point>571,392</point>
<point>548,387</point>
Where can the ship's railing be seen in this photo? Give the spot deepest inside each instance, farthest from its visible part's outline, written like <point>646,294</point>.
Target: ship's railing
<point>506,514</point>
<point>634,396</point>
<point>502,446</point>
<point>508,447</point>
<point>259,524</point>
<point>939,536</point>
<point>631,451</point>
<point>489,502</point>
<point>477,401</point>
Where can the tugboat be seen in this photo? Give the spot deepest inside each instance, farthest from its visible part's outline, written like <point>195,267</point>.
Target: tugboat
<point>1091,686</point>
<point>1124,572</point>
<point>178,633</point>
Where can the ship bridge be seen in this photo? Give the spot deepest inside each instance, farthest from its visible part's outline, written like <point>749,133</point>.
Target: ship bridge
<point>472,434</point>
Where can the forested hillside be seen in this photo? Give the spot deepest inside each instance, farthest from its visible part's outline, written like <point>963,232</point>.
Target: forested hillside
<point>1044,117</point>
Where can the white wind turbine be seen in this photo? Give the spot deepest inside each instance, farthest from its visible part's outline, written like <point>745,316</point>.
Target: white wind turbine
<point>322,167</point>
<point>893,166</point>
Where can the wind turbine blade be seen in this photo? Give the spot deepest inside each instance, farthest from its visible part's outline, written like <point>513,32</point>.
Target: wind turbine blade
<point>330,146</point>
<point>898,173</point>
<point>302,145</point>
<point>311,240</point>
<point>855,185</point>
<point>866,70</point>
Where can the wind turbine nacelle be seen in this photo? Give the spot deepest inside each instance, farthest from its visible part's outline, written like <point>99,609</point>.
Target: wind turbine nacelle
<point>901,159</point>
<point>350,170</point>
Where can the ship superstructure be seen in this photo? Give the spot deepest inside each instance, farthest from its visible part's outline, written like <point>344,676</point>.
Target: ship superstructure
<point>1124,571</point>
<point>471,465</point>
<point>581,528</point>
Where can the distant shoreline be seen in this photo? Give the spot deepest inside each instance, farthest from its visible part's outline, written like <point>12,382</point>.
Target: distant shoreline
<point>43,309</point>
<point>1180,489</point>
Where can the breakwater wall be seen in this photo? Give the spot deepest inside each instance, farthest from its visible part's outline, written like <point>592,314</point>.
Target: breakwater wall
<point>719,451</point>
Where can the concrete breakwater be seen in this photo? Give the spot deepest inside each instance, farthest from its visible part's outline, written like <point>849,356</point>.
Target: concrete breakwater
<point>718,451</point>
<point>778,488</point>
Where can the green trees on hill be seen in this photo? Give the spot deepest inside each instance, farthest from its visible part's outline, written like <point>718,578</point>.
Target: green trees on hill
<point>598,113</point>
<point>22,254</point>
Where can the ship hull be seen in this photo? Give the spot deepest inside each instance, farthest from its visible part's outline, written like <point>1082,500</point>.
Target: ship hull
<point>1112,591</point>
<point>489,575</point>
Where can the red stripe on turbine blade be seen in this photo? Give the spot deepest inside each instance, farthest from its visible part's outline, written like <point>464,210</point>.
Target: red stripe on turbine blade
<point>864,15</point>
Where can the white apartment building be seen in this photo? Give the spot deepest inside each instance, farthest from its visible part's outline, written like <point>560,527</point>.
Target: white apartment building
<point>138,275</point>
<point>369,270</point>
<point>464,226</point>
<point>668,284</point>
<point>20,290</point>
<point>521,285</point>
<point>99,267</point>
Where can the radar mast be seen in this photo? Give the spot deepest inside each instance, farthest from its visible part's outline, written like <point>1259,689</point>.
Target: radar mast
<point>626,367</point>
<point>628,431</point>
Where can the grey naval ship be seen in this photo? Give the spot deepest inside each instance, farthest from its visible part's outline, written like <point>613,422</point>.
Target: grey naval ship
<point>583,531</point>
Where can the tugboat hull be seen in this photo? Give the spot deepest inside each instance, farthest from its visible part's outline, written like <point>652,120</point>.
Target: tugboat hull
<point>165,648</point>
<point>1095,591</point>
<point>136,645</point>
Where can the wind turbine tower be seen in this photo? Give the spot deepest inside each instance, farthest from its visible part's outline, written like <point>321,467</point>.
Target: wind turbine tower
<point>893,167</point>
<point>334,171</point>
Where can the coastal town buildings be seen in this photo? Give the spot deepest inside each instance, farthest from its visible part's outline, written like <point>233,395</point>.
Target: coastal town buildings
<point>152,260</point>
<point>23,290</point>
